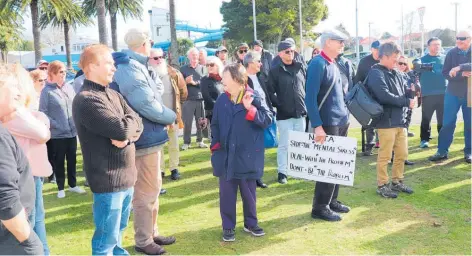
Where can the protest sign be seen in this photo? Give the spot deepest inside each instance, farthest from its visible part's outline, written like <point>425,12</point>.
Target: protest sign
<point>334,161</point>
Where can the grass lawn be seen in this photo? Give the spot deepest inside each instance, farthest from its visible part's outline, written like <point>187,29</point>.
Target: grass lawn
<point>436,219</point>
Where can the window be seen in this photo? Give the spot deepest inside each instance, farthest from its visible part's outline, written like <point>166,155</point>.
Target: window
<point>157,31</point>
<point>62,48</point>
<point>168,16</point>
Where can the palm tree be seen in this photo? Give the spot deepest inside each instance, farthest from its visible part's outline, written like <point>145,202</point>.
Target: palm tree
<point>126,8</point>
<point>70,18</point>
<point>102,22</point>
<point>174,45</point>
<point>15,7</point>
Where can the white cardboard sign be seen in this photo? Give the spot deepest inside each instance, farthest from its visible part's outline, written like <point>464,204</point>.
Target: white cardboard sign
<point>332,162</point>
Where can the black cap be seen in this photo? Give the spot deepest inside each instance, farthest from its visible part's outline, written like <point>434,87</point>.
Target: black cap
<point>375,44</point>
<point>284,45</point>
<point>258,43</point>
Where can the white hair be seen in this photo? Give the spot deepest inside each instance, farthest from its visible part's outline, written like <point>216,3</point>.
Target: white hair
<point>218,63</point>
<point>157,51</point>
<point>191,50</point>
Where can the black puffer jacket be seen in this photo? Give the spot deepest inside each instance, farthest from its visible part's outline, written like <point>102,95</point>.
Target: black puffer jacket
<point>211,89</point>
<point>286,87</point>
<point>266,60</point>
<point>390,89</point>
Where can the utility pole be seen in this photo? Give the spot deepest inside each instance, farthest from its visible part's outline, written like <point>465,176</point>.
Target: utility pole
<point>301,28</point>
<point>421,14</point>
<point>402,39</point>
<point>370,42</point>
<point>357,37</point>
<point>254,18</point>
<point>455,16</point>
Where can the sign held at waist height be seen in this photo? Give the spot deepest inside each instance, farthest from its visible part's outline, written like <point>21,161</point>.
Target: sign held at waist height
<point>334,161</point>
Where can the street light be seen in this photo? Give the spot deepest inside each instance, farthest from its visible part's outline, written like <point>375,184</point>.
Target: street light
<point>301,28</point>
<point>421,14</point>
<point>357,37</point>
<point>254,18</point>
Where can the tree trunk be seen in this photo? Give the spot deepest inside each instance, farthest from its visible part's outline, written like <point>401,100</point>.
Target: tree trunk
<point>67,42</point>
<point>114,32</point>
<point>38,55</point>
<point>174,45</point>
<point>102,23</point>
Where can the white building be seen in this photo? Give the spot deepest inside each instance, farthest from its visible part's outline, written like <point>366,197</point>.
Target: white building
<point>159,24</point>
<point>77,45</point>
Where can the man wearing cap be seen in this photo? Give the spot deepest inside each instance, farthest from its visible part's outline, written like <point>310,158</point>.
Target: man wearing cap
<point>286,87</point>
<point>240,52</point>
<point>43,65</point>
<point>328,115</point>
<point>365,64</point>
<point>298,57</point>
<point>222,54</point>
<point>140,91</point>
<point>252,63</point>
<point>266,60</point>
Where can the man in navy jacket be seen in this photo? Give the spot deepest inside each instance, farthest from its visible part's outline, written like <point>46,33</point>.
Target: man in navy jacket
<point>332,118</point>
<point>456,97</point>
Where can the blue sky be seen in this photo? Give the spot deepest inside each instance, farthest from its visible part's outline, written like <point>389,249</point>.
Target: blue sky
<point>385,15</point>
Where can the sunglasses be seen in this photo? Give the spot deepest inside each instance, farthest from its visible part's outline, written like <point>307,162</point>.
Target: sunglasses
<point>43,68</point>
<point>289,51</point>
<point>402,63</point>
<point>462,38</point>
<point>41,80</point>
<point>210,65</point>
<point>158,57</point>
<point>242,51</point>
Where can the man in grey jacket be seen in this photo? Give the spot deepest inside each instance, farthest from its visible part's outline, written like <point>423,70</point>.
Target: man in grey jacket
<point>140,90</point>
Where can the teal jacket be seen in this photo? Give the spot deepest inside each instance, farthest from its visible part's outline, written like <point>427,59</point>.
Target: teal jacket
<point>433,82</point>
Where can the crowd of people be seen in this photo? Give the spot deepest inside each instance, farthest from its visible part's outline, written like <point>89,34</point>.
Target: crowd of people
<point>124,107</point>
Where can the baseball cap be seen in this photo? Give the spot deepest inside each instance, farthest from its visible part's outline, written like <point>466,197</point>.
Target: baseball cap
<point>375,44</point>
<point>291,40</point>
<point>42,62</point>
<point>284,45</point>
<point>136,37</point>
<point>221,48</point>
<point>258,43</point>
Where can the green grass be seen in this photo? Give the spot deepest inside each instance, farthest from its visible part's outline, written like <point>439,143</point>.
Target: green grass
<point>434,220</point>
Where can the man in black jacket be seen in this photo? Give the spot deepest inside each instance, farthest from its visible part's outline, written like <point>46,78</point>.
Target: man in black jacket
<point>17,189</point>
<point>266,60</point>
<point>390,89</point>
<point>286,87</point>
<point>363,69</point>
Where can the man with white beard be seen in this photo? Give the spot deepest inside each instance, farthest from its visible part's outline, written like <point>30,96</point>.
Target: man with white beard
<point>174,93</point>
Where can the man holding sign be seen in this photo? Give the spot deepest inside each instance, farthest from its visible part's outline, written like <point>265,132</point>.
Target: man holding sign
<point>328,114</point>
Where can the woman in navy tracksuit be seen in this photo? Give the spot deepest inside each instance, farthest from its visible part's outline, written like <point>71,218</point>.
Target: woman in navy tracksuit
<point>237,146</point>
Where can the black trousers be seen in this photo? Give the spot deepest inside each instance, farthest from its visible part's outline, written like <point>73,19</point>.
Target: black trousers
<point>430,104</point>
<point>10,246</point>
<point>370,138</point>
<point>326,193</point>
<point>60,150</point>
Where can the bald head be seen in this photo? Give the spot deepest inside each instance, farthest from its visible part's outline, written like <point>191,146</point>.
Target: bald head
<point>463,40</point>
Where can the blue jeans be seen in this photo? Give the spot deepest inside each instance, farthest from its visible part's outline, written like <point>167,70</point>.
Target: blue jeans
<point>37,216</point>
<point>284,126</point>
<point>452,104</point>
<point>110,214</point>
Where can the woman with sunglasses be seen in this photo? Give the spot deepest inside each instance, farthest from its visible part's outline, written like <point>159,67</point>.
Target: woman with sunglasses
<point>237,145</point>
<point>56,102</point>
<point>211,85</point>
<point>240,52</point>
<point>39,80</point>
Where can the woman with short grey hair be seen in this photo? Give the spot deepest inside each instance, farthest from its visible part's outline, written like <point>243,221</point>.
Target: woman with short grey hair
<point>211,85</point>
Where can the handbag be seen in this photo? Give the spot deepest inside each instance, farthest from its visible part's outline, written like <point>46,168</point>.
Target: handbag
<point>270,136</point>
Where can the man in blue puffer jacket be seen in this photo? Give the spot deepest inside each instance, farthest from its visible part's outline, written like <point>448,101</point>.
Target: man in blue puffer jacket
<point>140,91</point>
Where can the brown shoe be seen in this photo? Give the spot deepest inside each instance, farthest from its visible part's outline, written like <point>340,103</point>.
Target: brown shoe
<point>164,240</point>
<point>151,249</point>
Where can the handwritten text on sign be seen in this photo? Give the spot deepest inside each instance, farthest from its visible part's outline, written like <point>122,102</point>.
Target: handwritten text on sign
<point>332,162</point>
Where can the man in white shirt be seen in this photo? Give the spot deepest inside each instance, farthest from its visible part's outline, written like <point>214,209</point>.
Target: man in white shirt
<point>252,63</point>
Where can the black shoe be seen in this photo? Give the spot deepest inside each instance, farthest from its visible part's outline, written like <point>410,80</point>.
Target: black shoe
<point>261,184</point>
<point>255,231</point>
<point>163,191</point>
<point>407,162</point>
<point>368,151</point>
<point>386,192</point>
<point>411,134</point>
<point>151,249</point>
<point>282,178</point>
<point>325,213</point>
<point>163,174</point>
<point>175,175</point>
<point>164,240</point>
<point>437,157</point>
<point>400,187</point>
<point>339,207</point>
<point>228,235</point>
<point>467,158</point>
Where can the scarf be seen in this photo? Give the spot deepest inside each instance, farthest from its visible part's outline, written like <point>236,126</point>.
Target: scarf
<point>217,77</point>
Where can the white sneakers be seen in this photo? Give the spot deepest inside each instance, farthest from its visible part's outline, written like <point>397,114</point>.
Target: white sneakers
<point>202,145</point>
<point>76,189</point>
<point>61,194</point>
<point>185,146</point>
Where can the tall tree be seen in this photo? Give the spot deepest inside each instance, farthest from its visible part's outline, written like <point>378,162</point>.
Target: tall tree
<point>275,18</point>
<point>102,22</point>
<point>9,36</point>
<point>67,19</point>
<point>125,8</point>
<point>16,7</point>
<point>174,44</point>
